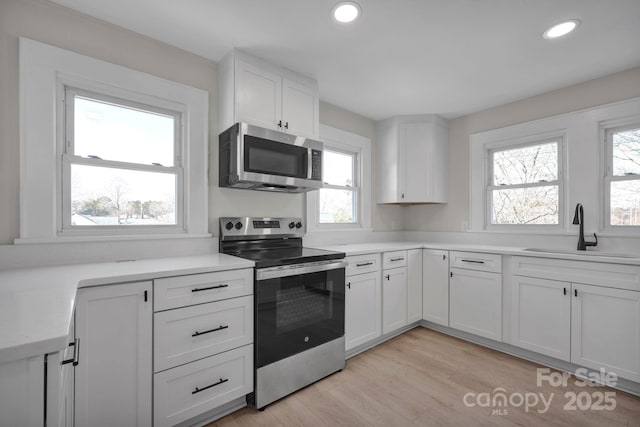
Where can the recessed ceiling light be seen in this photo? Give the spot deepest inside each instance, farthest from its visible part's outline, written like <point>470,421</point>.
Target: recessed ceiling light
<point>346,11</point>
<point>561,29</point>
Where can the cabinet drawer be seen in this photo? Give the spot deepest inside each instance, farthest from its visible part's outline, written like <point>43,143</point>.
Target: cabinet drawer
<point>189,390</point>
<point>191,333</point>
<point>360,264</point>
<point>476,261</point>
<point>394,259</point>
<point>180,291</point>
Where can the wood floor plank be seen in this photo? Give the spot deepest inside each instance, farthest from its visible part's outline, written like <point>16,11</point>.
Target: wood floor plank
<point>421,378</point>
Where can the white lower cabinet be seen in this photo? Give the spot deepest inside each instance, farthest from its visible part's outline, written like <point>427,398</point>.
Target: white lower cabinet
<point>593,326</point>
<point>113,376</point>
<point>605,329</point>
<point>363,310</point>
<point>414,285</point>
<point>189,390</point>
<point>435,286</point>
<point>394,299</point>
<point>540,316</point>
<point>475,302</point>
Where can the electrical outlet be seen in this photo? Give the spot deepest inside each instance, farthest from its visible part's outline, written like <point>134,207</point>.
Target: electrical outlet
<point>464,226</point>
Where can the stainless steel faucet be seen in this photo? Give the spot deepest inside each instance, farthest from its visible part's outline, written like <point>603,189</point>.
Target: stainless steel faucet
<point>578,219</point>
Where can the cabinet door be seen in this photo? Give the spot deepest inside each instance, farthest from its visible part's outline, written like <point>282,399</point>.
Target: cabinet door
<point>113,377</point>
<point>60,378</point>
<point>394,299</point>
<point>475,302</point>
<point>414,285</point>
<point>363,311</point>
<point>258,96</point>
<point>300,104</point>
<point>605,329</point>
<point>435,286</point>
<point>541,316</point>
<point>416,154</point>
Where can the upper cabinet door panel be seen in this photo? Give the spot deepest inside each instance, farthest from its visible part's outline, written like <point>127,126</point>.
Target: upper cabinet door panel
<point>258,96</point>
<point>300,105</point>
<point>417,146</point>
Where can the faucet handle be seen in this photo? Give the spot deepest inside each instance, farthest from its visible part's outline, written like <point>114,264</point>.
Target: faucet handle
<point>592,243</point>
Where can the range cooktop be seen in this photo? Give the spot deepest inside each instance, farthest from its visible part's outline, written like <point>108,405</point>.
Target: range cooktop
<point>269,242</point>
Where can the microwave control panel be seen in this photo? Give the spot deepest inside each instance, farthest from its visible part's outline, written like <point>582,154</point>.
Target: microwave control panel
<point>316,165</point>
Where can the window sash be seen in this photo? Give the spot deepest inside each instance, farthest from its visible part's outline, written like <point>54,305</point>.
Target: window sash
<point>610,178</point>
<point>69,158</point>
<point>355,189</point>
<point>490,187</point>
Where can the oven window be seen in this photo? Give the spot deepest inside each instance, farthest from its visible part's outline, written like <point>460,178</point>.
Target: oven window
<point>299,307</point>
<point>296,313</point>
<point>274,158</point>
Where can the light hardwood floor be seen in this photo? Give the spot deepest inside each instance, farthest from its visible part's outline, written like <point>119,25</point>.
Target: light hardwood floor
<point>420,379</point>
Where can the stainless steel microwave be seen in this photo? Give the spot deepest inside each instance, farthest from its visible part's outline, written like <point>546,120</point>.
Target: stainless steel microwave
<point>256,158</point>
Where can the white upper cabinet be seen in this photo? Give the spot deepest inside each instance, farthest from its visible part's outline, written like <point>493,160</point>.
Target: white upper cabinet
<point>259,93</point>
<point>413,159</point>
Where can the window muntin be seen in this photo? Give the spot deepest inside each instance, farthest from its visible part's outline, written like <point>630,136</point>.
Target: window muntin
<point>339,197</point>
<point>121,167</point>
<point>525,185</point>
<point>622,181</point>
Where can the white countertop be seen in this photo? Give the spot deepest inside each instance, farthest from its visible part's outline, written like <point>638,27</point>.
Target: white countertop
<point>367,248</point>
<point>36,304</point>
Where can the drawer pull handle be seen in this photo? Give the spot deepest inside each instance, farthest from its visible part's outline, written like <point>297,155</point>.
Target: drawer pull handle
<point>363,264</point>
<point>221,327</point>
<point>396,259</point>
<point>473,261</point>
<point>209,288</point>
<point>198,390</point>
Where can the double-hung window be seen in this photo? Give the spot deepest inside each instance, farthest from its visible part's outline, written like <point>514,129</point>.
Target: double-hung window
<point>121,165</point>
<point>622,178</point>
<point>344,202</point>
<point>525,185</point>
<point>340,193</point>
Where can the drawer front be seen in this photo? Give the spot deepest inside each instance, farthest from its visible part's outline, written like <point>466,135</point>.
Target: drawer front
<point>187,334</point>
<point>360,264</point>
<point>189,390</point>
<point>394,259</point>
<point>476,261</point>
<point>181,291</point>
<point>588,272</point>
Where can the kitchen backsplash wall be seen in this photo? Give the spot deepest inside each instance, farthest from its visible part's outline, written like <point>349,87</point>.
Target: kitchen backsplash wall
<point>453,215</point>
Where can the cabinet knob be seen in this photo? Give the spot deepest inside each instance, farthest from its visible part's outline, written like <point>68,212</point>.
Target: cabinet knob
<point>444,257</point>
<point>451,274</point>
<point>402,195</point>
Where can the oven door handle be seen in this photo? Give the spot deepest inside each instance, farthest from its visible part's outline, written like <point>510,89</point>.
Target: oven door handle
<point>298,269</point>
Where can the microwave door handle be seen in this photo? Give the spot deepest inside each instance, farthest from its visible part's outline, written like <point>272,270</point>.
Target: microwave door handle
<point>309,163</point>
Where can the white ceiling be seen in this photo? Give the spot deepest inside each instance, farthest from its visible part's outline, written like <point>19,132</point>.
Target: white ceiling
<point>449,57</point>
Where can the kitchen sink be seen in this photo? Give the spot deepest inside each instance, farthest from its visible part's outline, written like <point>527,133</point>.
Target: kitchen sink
<point>576,252</point>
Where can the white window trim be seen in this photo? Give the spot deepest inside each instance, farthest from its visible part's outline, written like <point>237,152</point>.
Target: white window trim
<point>584,156</point>
<point>606,173</point>
<point>44,72</point>
<point>340,140</point>
<point>491,148</point>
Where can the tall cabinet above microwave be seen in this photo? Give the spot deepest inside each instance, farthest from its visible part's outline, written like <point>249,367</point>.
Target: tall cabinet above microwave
<point>257,92</point>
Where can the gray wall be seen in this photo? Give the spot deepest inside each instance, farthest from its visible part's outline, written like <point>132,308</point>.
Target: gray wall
<point>450,216</point>
<point>52,24</point>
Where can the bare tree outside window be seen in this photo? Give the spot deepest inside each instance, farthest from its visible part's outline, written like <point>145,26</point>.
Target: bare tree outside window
<point>525,186</point>
<point>624,177</point>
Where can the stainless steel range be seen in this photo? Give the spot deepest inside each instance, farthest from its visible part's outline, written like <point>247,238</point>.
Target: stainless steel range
<point>299,304</point>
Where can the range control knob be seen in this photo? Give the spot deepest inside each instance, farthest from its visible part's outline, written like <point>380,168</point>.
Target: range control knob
<point>292,224</point>
<point>238,225</point>
<point>298,224</point>
<point>229,225</point>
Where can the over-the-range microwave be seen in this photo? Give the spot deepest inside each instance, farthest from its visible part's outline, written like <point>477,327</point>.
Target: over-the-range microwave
<point>256,158</point>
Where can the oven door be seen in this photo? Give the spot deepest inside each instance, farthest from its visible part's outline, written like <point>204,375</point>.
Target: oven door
<point>298,307</point>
